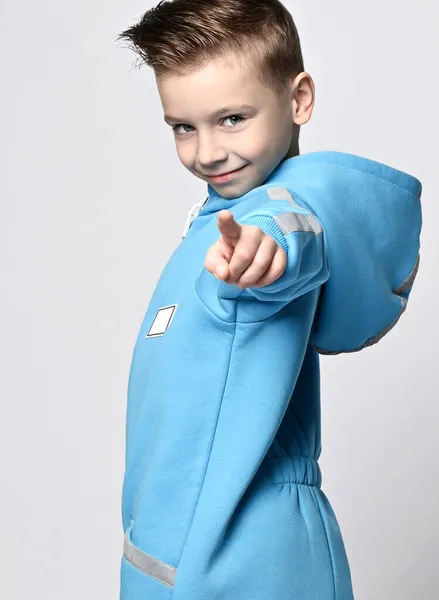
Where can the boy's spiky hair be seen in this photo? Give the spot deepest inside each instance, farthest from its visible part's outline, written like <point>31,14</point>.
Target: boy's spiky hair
<point>179,36</point>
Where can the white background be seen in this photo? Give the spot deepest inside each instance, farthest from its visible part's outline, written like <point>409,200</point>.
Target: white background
<point>94,201</point>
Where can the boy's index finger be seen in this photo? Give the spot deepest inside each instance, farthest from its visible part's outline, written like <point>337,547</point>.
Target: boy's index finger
<point>228,226</point>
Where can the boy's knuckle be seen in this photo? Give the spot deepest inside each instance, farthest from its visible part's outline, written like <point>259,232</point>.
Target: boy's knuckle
<point>244,255</point>
<point>260,263</point>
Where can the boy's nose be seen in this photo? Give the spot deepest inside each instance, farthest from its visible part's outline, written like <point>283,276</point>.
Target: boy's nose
<point>210,154</point>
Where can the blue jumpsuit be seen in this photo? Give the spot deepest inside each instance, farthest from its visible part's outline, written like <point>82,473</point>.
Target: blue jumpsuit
<point>222,495</point>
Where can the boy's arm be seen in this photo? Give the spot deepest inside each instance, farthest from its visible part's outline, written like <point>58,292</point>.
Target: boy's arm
<point>295,233</point>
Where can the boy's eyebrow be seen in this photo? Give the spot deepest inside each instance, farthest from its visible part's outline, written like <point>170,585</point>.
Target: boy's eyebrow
<point>217,113</point>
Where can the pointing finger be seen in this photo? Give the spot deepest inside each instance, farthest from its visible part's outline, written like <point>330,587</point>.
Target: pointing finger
<point>229,228</point>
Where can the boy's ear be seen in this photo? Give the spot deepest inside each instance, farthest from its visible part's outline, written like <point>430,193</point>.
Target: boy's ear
<point>303,99</point>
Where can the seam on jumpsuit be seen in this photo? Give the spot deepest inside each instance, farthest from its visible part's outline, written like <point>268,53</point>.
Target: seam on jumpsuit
<point>314,492</point>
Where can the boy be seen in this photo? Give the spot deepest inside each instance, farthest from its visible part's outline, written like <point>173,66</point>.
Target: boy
<point>289,256</point>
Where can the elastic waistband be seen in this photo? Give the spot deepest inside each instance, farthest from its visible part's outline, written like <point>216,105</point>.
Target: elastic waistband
<point>303,470</point>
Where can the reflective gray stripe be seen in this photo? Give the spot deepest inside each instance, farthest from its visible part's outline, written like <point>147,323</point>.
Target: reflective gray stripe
<point>408,283</point>
<point>148,564</point>
<point>289,222</point>
<point>404,287</point>
<point>281,193</point>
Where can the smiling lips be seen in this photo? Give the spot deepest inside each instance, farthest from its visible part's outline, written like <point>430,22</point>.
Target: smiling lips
<point>227,173</point>
<point>225,176</point>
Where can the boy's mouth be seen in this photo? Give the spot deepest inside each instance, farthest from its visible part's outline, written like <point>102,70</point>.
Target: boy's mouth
<point>226,176</point>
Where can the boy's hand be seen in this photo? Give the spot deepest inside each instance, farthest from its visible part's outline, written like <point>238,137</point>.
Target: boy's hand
<point>244,254</point>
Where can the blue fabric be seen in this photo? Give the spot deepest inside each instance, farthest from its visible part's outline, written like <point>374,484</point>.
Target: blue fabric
<point>222,479</point>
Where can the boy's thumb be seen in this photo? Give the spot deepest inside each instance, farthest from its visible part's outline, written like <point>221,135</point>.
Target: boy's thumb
<point>221,270</point>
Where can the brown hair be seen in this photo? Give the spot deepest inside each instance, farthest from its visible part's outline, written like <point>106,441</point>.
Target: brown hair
<point>178,36</point>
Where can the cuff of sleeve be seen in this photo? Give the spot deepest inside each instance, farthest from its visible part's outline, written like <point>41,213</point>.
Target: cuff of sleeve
<point>268,226</point>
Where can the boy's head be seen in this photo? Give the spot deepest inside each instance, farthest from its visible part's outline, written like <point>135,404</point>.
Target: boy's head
<point>209,55</point>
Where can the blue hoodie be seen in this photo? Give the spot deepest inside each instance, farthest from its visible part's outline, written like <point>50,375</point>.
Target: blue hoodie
<point>222,495</point>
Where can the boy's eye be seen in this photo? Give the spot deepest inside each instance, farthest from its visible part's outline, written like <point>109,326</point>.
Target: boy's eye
<point>175,127</point>
<point>234,117</point>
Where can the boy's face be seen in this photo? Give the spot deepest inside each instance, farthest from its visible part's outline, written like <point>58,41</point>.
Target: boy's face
<point>255,139</point>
